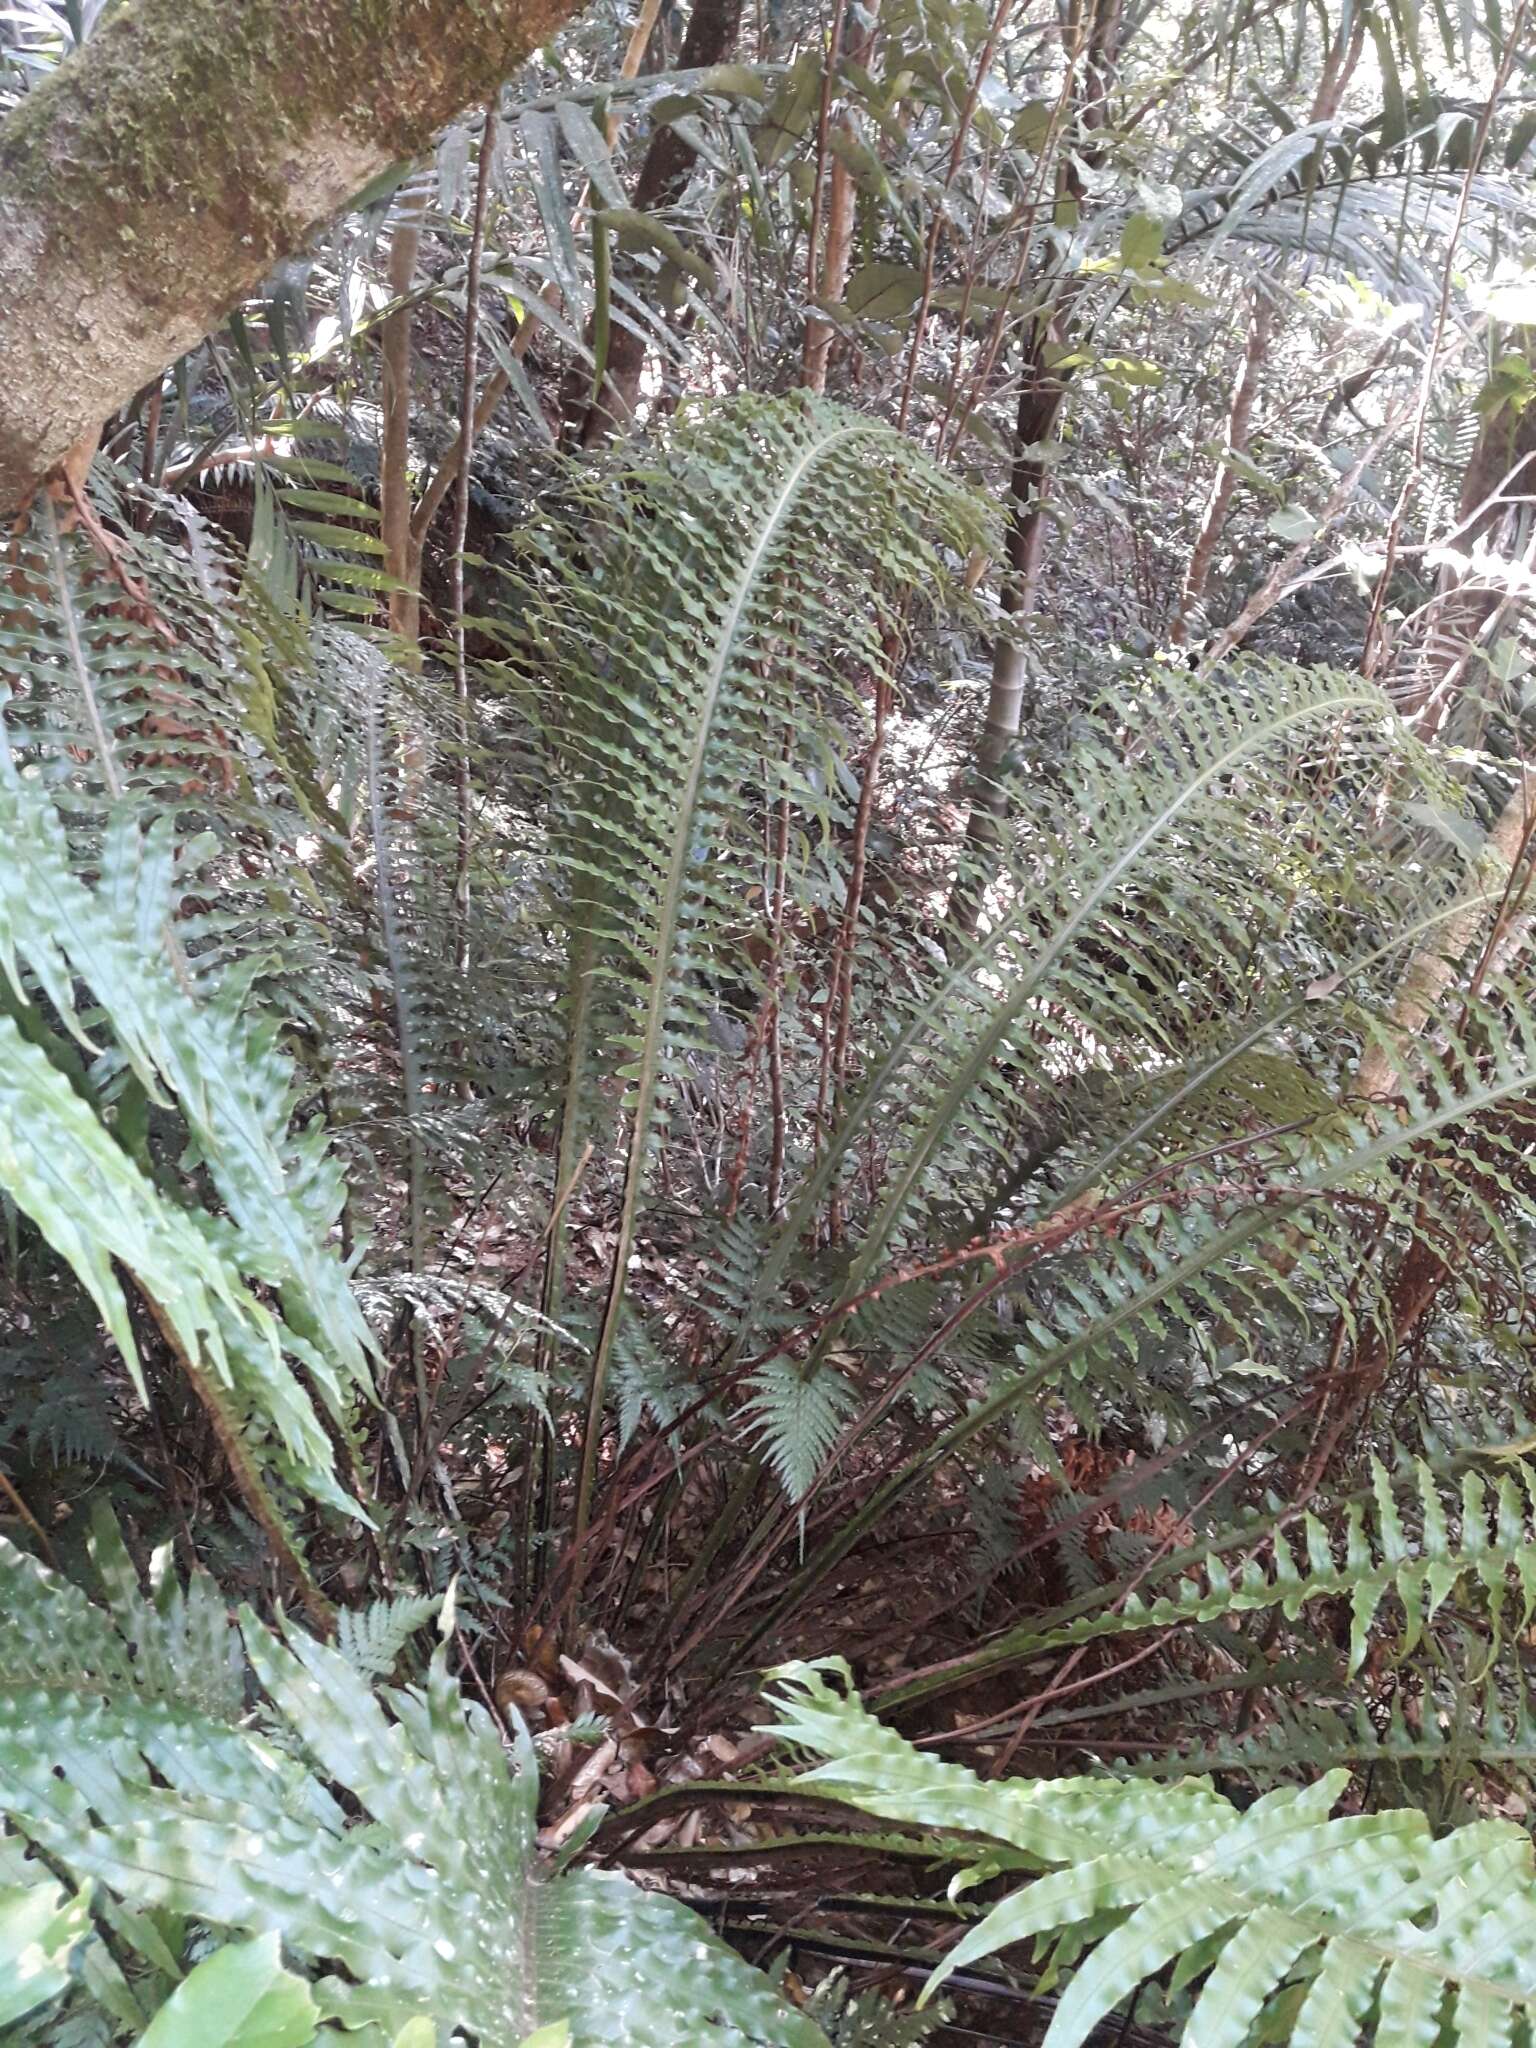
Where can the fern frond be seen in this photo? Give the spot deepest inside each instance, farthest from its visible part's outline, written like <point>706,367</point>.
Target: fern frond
<point>372,1637</point>
<point>697,632</point>
<point>1367,1909</point>
<point>126,700</point>
<point>1483,1731</point>
<point>646,1382</point>
<point>798,1418</point>
<point>1416,1537</point>
<point>867,2019</point>
<point>95,1204</point>
<point>176,1645</point>
<point>1030,988</point>
<point>437,1907</point>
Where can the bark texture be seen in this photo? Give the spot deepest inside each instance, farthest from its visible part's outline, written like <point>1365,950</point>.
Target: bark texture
<point>1042,394</point>
<point>831,280</point>
<point>1499,481</point>
<point>395,456</point>
<point>1213,519</point>
<point>1094,29</point>
<point>156,177</point>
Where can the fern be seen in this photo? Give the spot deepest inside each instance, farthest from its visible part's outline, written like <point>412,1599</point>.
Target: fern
<point>1484,1731</point>
<point>647,1383</point>
<point>438,1906</point>
<point>1066,963</point>
<point>57,1393</point>
<point>866,2019</point>
<point>39,1931</point>
<point>371,1638</point>
<point>798,1419</point>
<point>1402,1540</point>
<point>198,1051</point>
<point>1304,1924</point>
<point>129,697</point>
<point>174,1647</point>
<point>702,604</point>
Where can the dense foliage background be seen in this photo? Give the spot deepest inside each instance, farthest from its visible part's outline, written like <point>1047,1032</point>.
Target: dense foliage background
<point>767,897</point>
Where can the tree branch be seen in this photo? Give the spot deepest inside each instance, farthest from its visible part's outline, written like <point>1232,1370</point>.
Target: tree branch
<point>154,179</point>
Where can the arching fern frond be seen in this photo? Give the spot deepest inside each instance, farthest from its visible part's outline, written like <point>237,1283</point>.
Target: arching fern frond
<point>692,626</point>
<point>98,1202</point>
<point>1309,1925</point>
<point>1417,1538</point>
<point>1484,1729</point>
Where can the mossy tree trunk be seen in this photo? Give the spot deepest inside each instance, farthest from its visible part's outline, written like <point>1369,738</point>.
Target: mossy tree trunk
<point>152,182</point>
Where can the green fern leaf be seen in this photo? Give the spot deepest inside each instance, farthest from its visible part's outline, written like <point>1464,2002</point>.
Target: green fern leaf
<point>371,1638</point>
<point>438,1906</point>
<point>39,1931</point>
<point>700,632</point>
<point>1284,1894</point>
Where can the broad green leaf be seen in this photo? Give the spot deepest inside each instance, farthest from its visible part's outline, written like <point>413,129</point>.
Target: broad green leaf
<point>239,1997</point>
<point>1292,523</point>
<point>732,81</point>
<point>789,113</point>
<point>883,291</point>
<point>643,230</point>
<point>1141,241</point>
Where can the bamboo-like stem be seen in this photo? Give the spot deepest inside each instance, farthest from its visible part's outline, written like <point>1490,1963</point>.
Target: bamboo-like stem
<point>840,998</point>
<point>462,784</point>
<point>828,279</point>
<point>819,187</point>
<point>1245,389</point>
<point>1498,477</point>
<point>1042,395</point>
<point>634,56</point>
<point>713,27</point>
<point>1338,68</point>
<point>28,1519</point>
<point>499,382</point>
<point>400,562</point>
